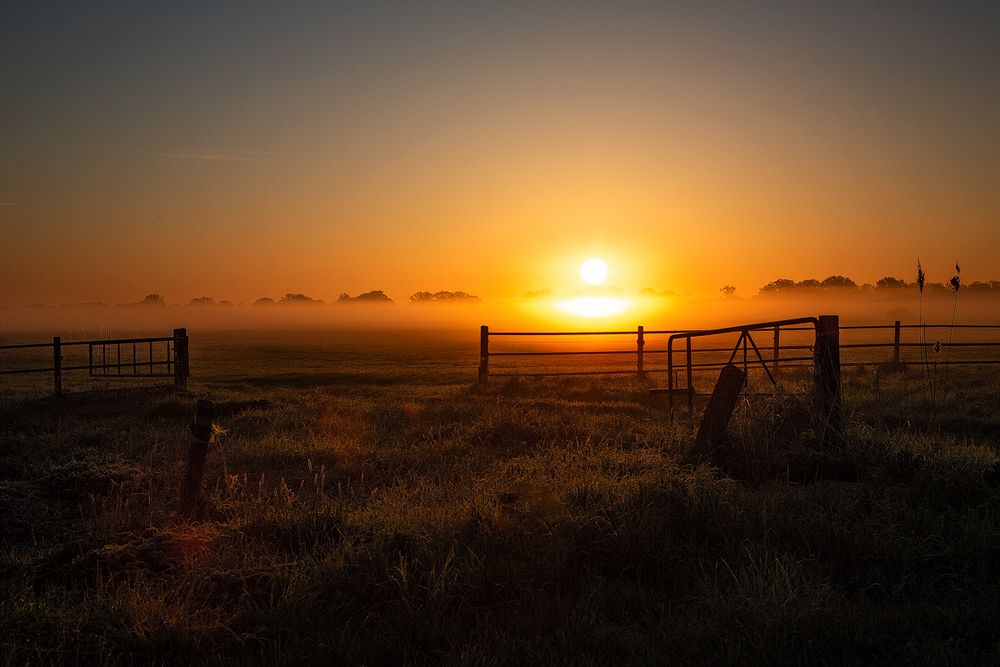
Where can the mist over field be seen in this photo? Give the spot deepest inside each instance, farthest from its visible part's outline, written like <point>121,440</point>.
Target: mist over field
<point>531,314</point>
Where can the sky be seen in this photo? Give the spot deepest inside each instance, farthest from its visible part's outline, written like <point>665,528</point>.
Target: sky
<point>245,149</point>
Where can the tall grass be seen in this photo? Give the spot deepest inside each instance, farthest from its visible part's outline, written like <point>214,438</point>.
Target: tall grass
<point>361,521</point>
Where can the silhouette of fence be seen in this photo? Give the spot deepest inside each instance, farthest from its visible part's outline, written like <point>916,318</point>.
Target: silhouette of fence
<point>792,345</point>
<point>159,357</point>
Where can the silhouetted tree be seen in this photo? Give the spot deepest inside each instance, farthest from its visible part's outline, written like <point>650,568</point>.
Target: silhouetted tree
<point>429,297</point>
<point>728,291</point>
<point>839,282</point>
<point>890,283</point>
<point>299,299</point>
<point>202,301</point>
<point>375,296</point>
<point>153,300</point>
<point>779,286</point>
<point>264,301</point>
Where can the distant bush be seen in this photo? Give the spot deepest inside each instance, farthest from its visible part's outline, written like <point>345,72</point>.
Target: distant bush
<point>299,300</point>
<point>202,301</point>
<point>264,301</point>
<point>153,300</point>
<point>538,294</point>
<point>441,297</point>
<point>891,283</point>
<point>375,296</point>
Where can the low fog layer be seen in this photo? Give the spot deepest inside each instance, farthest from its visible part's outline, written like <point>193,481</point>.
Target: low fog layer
<point>652,309</point>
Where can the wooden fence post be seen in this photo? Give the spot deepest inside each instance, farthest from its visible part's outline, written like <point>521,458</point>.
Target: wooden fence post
<point>201,436</point>
<point>828,370</point>
<point>640,343</point>
<point>895,346</point>
<point>57,364</point>
<point>484,354</point>
<point>712,430</point>
<point>777,345</point>
<point>181,367</point>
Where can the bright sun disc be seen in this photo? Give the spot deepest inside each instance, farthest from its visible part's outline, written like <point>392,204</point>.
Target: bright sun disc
<point>594,271</point>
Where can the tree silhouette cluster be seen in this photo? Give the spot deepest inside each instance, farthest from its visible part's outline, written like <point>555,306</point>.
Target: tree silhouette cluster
<point>443,297</point>
<point>208,301</point>
<point>886,285</point>
<point>299,300</point>
<point>375,296</point>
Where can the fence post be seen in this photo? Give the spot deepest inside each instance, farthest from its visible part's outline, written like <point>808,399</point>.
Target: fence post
<point>484,354</point>
<point>777,345</point>
<point>640,343</point>
<point>828,370</point>
<point>201,436</point>
<point>895,346</point>
<point>57,364</point>
<point>181,368</point>
<point>712,430</point>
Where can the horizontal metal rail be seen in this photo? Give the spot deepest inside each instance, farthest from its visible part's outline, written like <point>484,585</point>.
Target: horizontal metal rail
<point>73,343</point>
<point>174,362</point>
<point>674,365</point>
<point>744,331</point>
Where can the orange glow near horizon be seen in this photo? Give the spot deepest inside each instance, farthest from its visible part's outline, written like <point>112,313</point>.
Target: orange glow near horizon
<point>594,306</point>
<point>491,148</point>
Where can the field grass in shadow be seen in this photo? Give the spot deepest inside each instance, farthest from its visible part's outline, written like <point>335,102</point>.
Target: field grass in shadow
<point>362,520</point>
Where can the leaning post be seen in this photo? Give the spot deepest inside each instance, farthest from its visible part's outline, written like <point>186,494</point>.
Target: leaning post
<point>828,370</point>
<point>712,430</point>
<point>484,354</point>
<point>57,364</point>
<point>201,436</point>
<point>640,343</point>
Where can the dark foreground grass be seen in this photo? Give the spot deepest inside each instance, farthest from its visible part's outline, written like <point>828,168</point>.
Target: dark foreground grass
<point>359,519</point>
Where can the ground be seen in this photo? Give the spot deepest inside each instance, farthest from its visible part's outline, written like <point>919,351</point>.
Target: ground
<point>368,503</point>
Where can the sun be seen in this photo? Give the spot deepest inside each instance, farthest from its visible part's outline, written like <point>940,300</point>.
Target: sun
<point>594,271</point>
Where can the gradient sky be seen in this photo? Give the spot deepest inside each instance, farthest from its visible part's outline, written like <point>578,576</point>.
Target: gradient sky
<point>247,149</point>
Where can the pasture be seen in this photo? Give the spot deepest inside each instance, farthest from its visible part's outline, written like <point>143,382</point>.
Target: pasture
<point>367,503</point>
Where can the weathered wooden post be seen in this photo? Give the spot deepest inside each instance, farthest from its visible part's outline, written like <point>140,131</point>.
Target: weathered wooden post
<point>777,345</point>
<point>712,430</point>
<point>484,354</point>
<point>201,437</point>
<point>181,367</point>
<point>895,346</point>
<point>57,364</point>
<point>828,370</point>
<point>640,343</point>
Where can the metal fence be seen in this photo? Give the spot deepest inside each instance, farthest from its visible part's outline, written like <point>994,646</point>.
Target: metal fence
<point>791,345</point>
<point>157,357</point>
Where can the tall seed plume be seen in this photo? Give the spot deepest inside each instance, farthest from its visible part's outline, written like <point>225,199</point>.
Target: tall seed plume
<point>920,276</point>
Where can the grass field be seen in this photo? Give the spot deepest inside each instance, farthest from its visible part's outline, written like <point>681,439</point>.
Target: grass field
<point>368,504</point>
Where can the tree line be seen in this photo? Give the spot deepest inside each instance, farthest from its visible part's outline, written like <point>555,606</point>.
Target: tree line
<point>886,285</point>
